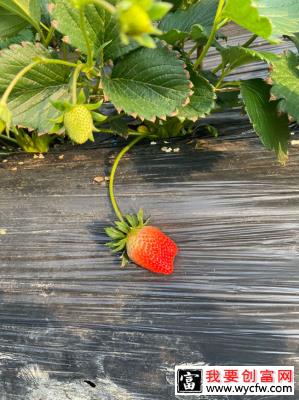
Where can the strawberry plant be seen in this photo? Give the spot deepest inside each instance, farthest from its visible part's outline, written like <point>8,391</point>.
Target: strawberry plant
<point>62,60</point>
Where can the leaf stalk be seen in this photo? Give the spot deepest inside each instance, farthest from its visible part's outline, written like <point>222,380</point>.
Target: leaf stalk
<point>205,50</point>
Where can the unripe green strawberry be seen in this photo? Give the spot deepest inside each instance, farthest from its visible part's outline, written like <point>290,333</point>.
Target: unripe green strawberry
<point>135,21</point>
<point>78,123</point>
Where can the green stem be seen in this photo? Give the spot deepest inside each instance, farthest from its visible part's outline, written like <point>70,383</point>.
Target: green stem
<point>212,35</point>
<point>192,50</point>
<point>250,41</point>
<point>218,68</point>
<point>13,83</point>
<point>41,33</point>
<point>44,26</point>
<point>8,138</point>
<point>75,81</point>
<point>246,44</point>
<point>231,84</point>
<point>221,79</point>
<point>112,176</point>
<point>24,71</point>
<point>106,131</point>
<point>107,6</point>
<point>49,36</point>
<point>222,23</point>
<point>86,37</point>
<point>228,90</point>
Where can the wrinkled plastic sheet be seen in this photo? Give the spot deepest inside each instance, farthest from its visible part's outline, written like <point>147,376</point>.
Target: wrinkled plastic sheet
<point>73,325</point>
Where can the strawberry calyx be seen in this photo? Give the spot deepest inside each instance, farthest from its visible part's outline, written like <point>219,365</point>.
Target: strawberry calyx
<point>122,230</point>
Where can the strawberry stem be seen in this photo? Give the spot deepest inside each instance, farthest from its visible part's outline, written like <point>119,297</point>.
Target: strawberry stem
<point>112,176</point>
<point>86,36</point>
<point>217,20</point>
<point>75,81</point>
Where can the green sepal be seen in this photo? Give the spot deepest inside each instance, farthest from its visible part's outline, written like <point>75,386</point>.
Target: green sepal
<point>124,260</point>
<point>122,226</point>
<point>55,129</point>
<point>146,40</point>
<point>120,245</point>
<point>94,106</point>
<point>132,219</point>
<point>58,120</point>
<point>98,117</point>
<point>110,244</point>
<point>91,137</point>
<point>114,233</point>
<point>158,10</point>
<point>140,216</point>
<point>81,97</point>
<point>61,105</point>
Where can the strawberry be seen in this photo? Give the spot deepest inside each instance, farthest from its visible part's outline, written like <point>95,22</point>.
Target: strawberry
<point>151,249</point>
<point>78,123</point>
<point>147,246</point>
<point>135,21</point>
<point>77,119</point>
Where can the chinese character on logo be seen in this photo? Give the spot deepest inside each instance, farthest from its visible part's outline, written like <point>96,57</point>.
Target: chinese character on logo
<point>267,376</point>
<point>285,375</point>
<point>249,376</point>
<point>213,375</point>
<point>189,380</point>
<point>231,375</point>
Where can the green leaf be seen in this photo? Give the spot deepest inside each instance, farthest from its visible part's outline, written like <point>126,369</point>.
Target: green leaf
<point>271,127</point>
<point>283,14</point>
<point>269,19</point>
<point>295,39</point>
<point>28,10</point>
<point>285,76</point>
<point>25,35</point>
<point>237,56</point>
<point>10,24</point>
<point>201,13</point>
<point>101,26</point>
<point>30,101</point>
<point>148,82</point>
<point>228,100</point>
<point>246,14</point>
<point>173,36</point>
<point>201,102</point>
<point>33,143</point>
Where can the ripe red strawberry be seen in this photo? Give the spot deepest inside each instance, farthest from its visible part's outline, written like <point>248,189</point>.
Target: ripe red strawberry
<point>151,249</point>
<point>146,246</point>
